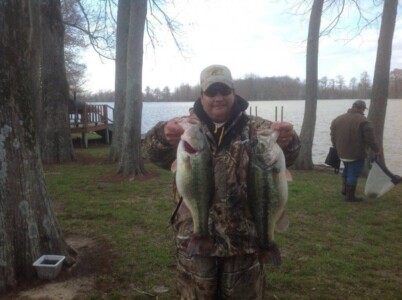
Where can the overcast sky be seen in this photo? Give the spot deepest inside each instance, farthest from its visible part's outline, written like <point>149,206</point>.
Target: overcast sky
<point>261,37</point>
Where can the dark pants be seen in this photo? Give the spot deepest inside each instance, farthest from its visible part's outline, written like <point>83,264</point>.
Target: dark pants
<point>203,277</point>
<point>352,171</point>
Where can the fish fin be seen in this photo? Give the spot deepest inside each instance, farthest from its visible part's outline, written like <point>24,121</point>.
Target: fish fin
<point>200,245</point>
<point>288,175</point>
<point>272,255</point>
<point>283,222</point>
<point>173,167</point>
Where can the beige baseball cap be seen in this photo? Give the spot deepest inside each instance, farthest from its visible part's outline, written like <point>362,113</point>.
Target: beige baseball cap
<point>214,74</point>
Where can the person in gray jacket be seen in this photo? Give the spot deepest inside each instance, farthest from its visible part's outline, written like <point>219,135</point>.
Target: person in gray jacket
<point>352,134</point>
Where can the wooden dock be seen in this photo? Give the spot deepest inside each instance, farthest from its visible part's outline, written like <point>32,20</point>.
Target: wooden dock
<point>92,118</point>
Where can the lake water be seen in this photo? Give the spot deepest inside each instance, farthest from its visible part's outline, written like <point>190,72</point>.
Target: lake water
<point>293,112</point>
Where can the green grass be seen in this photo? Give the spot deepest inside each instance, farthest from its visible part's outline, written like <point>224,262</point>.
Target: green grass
<point>332,249</point>
<point>90,136</point>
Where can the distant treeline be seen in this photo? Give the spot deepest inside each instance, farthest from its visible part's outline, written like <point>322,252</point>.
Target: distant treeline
<point>253,87</point>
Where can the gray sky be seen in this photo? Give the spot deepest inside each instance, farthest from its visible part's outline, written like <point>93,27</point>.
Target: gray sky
<point>262,37</point>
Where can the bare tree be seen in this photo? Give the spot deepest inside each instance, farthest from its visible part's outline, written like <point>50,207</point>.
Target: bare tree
<point>28,224</point>
<point>364,85</point>
<point>35,61</point>
<point>127,146</point>
<point>353,87</point>
<point>340,82</point>
<point>87,23</point>
<point>304,160</point>
<point>352,83</point>
<point>323,82</point>
<point>74,42</point>
<point>96,21</point>
<point>379,96</point>
<point>395,87</point>
<point>54,128</point>
<point>123,21</point>
<point>166,93</point>
<point>131,162</point>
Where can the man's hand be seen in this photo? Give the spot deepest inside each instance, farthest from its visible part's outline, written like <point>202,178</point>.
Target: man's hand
<point>173,130</point>
<point>285,130</point>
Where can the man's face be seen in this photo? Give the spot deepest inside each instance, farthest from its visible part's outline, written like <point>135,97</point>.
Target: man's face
<point>361,109</point>
<point>217,102</point>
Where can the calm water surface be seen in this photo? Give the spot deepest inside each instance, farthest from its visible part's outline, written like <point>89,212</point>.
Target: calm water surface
<point>293,112</point>
<point>327,110</point>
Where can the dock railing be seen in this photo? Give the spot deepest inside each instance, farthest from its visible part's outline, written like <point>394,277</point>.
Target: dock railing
<point>91,118</point>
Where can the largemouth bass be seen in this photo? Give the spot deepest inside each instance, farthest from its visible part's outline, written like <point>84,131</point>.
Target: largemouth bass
<point>195,183</point>
<point>267,193</point>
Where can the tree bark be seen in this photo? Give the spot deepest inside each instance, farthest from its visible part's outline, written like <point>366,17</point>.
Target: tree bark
<point>123,19</point>
<point>36,50</point>
<point>55,137</point>
<point>28,227</point>
<point>131,162</point>
<point>379,94</point>
<point>305,160</point>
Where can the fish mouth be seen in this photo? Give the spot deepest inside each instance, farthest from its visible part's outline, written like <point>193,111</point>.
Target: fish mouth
<point>188,148</point>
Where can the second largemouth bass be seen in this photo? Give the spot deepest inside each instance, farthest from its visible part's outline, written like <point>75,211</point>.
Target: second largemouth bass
<point>267,193</point>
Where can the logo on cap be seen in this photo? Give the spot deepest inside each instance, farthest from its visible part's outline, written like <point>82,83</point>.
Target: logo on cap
<point>214,74</point>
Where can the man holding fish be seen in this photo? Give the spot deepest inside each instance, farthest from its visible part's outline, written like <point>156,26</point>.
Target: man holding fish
<point>230,190</point>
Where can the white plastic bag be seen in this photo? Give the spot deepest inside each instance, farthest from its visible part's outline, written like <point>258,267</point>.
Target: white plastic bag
<point>380,180</point>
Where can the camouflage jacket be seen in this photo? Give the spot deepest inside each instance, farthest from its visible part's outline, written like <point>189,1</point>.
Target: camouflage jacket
<point>230,221</point>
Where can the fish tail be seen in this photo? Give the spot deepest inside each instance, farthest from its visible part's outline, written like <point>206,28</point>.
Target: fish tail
<point>200,245</point>
<point>271,255</point>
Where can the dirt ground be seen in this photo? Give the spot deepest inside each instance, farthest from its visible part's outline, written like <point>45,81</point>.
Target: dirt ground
<point>93,259</point>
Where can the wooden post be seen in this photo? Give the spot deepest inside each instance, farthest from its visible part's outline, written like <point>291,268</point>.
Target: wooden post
<point>85,139</point>
<point>276,113</point>
<point>85,117</point>
<point>105,116</point>
<point>107,135</point>
<point>75,110</point>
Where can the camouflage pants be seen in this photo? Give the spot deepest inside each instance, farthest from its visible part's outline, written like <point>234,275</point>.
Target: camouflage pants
<point>237,277</point>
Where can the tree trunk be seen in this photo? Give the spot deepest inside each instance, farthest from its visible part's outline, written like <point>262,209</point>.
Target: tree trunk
<point>55,137</point>
<point>305,160</point>
<point>131,162</point>
<point>28,227</point>
<point>379,94</point>
<point>36,50</point>
<point>123,19</point>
